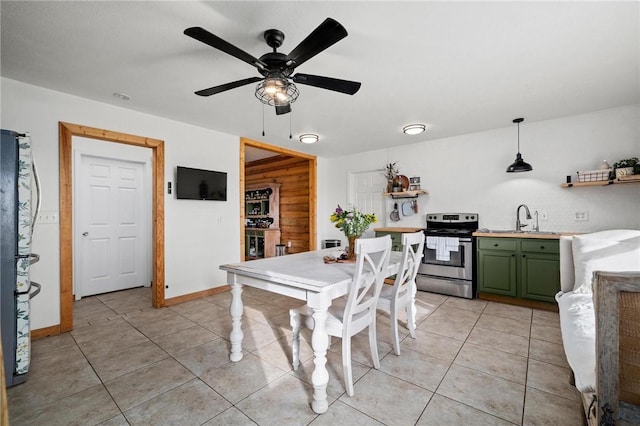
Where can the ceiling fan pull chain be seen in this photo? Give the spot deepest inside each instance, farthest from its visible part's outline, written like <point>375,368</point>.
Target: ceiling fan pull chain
<point>262,119</point>
<point>290,114</point>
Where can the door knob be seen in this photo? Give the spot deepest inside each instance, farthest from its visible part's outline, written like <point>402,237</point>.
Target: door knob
<point>84,234</point>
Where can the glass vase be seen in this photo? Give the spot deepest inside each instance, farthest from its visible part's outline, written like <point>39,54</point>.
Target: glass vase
<point>351,248</point>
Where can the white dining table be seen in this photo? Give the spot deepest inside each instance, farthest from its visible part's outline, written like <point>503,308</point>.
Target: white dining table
<point>303,276</point>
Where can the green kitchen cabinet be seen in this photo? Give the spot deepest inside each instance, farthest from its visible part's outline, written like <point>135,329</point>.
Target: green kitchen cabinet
<point>526,268</point>
<point>539,269</point>
<point>396,239</point>
<point>396,235</point>
<point>497,272</point>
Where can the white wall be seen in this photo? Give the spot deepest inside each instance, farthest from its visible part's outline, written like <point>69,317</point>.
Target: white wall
<point>463,173</point>
<point>467,174</point>
<point>199,235</point>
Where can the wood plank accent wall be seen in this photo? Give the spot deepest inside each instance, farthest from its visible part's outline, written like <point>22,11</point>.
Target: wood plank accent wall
<point>293,176</point>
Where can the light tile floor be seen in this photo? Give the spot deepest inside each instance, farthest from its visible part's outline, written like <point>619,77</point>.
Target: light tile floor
<point>473,363</point>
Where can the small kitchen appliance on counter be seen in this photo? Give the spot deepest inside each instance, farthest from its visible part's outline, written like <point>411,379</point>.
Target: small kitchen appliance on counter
<point>448,264</point>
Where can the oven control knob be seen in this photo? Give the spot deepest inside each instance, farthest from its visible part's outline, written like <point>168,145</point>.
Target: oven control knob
<point>466,217</point>
<point>473,217</point>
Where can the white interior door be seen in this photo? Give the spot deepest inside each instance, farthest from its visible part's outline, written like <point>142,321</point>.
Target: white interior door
<point>365,193</point>
<point>111,226</point>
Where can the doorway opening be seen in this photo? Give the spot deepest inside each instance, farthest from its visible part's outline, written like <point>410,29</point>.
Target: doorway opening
<point>364,192</point>
<point>66,133</point>
<point>297,209</point>
<point>112,217</point>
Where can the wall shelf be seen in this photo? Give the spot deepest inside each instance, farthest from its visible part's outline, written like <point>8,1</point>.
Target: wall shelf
<point>405,194</point>
<point>635,179</point>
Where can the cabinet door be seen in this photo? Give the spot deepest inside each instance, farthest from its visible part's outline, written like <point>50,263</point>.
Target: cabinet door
<point>497,272</point>
<point>539,276</point>
<point>271,238</point>
<point>250,246</point>
<point>396,239</point>
<point>253,244</point>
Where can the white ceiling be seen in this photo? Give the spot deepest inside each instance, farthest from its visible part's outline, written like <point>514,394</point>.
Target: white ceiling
<point>459,67</point>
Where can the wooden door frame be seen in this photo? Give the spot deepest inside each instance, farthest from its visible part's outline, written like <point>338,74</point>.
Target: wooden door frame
<point>66,133</point>
<point>312,163</point>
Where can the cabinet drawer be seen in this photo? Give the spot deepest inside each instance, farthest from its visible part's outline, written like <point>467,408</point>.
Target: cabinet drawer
<point>509,244</point>
<point>540,246</point>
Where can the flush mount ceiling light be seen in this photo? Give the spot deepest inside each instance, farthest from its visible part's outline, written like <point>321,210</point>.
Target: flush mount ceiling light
<point>122,96</point>
<point>308,138</point>
<point>519,165</point>
<point>414,129</point>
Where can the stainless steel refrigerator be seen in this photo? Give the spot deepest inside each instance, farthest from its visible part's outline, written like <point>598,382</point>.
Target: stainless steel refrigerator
<point>19,204</point>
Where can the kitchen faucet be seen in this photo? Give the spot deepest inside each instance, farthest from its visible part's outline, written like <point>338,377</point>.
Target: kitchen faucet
<point>519,225</point>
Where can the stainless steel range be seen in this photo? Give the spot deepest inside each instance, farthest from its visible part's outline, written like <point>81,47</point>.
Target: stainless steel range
<point>448,263</point>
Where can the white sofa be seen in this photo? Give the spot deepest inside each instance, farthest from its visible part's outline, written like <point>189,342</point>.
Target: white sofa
<point>580,256</point>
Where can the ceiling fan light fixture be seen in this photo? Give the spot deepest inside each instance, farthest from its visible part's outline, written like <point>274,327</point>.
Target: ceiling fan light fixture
<point>519,165</point>
<point>414,129</point>
<point>276,91</point>
<point>308,138</point>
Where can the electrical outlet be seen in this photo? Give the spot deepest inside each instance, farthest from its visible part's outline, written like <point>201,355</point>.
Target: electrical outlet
<point>289,244</point>
<point>543,215</point>
<point>582,215</point>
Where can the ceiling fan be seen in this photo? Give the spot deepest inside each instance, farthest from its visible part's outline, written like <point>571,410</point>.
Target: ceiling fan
<point>276,87</point>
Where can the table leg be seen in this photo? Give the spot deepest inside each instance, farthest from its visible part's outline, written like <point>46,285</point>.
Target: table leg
<point>320,375</point>
<point>236,310</point>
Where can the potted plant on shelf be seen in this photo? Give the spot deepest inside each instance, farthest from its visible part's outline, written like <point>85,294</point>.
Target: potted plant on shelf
<point>628,166</point>
<point>390,172</point>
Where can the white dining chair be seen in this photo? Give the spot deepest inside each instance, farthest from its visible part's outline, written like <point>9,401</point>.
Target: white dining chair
<point>403,292</point>
<point>349,316</point>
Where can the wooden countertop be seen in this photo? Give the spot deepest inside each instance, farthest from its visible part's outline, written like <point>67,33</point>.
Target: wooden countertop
<point>533,235</point>
<point>398,229</point>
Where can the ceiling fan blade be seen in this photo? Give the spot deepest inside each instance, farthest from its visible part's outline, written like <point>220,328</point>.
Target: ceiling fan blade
<point>283,109</point>
<point>335,84</point>
<point>327,34</point>
<point>213,40</point>
<point>228,86</point>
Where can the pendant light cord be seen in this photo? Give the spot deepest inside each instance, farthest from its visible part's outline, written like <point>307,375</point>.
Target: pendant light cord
<point>518,138</point>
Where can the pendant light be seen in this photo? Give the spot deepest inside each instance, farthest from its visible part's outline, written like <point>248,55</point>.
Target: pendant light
<point>519,165</point>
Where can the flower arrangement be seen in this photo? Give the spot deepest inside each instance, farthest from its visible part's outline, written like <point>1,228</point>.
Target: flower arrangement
<point>352,222</point>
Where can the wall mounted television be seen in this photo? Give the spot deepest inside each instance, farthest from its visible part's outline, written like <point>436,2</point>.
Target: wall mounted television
<point>198,184</point>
